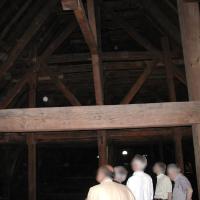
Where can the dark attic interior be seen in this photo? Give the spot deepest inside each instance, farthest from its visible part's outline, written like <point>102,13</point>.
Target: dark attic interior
<point>89,82</point>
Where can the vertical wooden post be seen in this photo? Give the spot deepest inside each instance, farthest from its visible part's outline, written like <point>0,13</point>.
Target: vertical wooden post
<point>172,97</point>
<point>32,165</point>
<point>179,150</point>
<point>102,148</point>
<point>169,69</point>
<point>190,31</point>
<point>32,91</point>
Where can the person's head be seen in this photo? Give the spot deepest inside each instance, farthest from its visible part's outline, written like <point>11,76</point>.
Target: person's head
<point>173,171</point>
<point>104,172</point>
<point>139,163</point>
<point>159,168</point>
<point>120,174</point>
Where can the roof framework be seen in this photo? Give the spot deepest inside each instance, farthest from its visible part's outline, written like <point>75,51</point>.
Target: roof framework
<point>82,53</point>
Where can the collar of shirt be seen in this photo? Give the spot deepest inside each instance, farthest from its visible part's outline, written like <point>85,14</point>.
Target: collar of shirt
<point>160,176</point>
<point>106,180</point>
<point>177,177</point>
<point>138,173</point>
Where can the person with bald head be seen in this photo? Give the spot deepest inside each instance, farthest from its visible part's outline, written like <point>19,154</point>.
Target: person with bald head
<point>107,189</point>
<point>182,188</point>
<point>140,183</point>
<point>120,174</point>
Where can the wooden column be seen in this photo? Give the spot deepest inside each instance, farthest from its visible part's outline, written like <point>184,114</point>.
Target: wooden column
<point>102,148</point>
<point>32,90</point>
<point>32,165</point>
<point>172,96</point>
<point>179,150</point>
<point>32,158</point>
<point>190,31</point>
<point>93,18</point>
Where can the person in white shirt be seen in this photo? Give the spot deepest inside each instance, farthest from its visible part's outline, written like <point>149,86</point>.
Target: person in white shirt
<point>140,183</point>
<point>164,184</point>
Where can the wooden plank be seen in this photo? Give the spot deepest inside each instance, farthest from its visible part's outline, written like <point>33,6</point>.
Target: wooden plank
<point>100,117</point>
<point>25,38</point>
<point>85,27</point>
<point>32,168</point>
<point>189,17</point>
<point>138,84</point>
<point>62,87</point>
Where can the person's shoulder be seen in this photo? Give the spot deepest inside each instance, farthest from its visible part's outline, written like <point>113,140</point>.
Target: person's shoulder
<point>94,188</point>
<point>147,176</point>
<point>166,177</point>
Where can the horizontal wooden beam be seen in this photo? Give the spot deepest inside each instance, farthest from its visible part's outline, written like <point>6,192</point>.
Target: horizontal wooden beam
<point>81,136</point>
<point>107,56</point>
<point>100,117</point>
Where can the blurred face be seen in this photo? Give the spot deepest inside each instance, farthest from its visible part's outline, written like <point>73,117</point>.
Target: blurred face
<point>172,174</point>
<point>100,176</point>
<point>156,169</point>
<point>136,166</point>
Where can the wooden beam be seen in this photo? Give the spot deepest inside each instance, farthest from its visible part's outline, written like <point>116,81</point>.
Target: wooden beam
<point>15,18</point>
<point>138,84</point>
<point>26,37</point>
<point>100,117</point>
<point>59,40</point>
<point>86,29</point>
<point>169,69</point>
<point>163,21</point>
<point>135,35</point>
<point>108,56</point>
<point>102,148</point>
<point>189,17</point>
<point>179,149</point>
<point>32,90</point>
<point>61,86</point>
<point>97,77</point>
<point>180,76</point>
<point>32,168</point>
<point>16,89</point>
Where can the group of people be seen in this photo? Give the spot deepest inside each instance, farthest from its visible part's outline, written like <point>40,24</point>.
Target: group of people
<point>140,185</point>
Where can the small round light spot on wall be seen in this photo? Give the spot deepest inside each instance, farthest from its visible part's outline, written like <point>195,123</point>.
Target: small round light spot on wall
<point>98,157</point>
<point>45,99</point>
<point>124,153</point>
